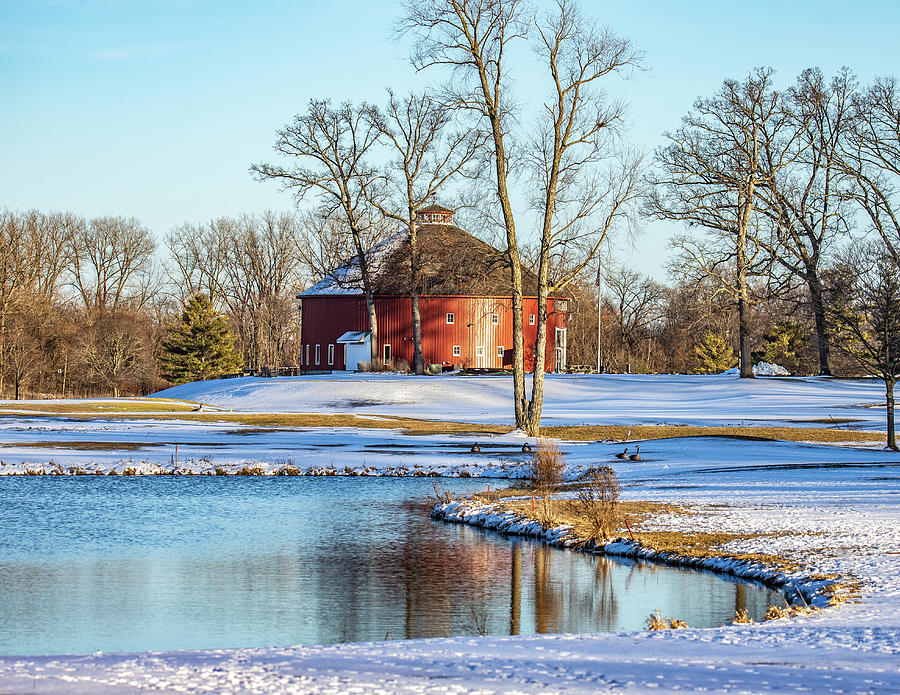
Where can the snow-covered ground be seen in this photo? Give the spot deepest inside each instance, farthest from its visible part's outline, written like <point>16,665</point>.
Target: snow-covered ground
<point>569,398</point>
<point>832,510</point>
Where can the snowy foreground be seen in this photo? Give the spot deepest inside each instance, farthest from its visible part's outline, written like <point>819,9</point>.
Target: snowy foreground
<point>832,510</point>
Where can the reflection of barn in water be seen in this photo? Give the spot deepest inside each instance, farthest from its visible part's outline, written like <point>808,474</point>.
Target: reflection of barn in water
<point>465,305</point>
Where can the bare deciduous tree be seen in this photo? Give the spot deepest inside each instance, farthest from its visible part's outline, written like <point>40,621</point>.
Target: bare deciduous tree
<point>709,176</point>
<point>582,203</point>
<point>806,199</point>
<point>579,203</point>
<point>197,257</point>
<point>865,317</point>
<point>111,263</point>
<point>471,37</point>
<point>872,157</point>
<point>425,158</point>
<point>636,299</point>
<point>332,145</point>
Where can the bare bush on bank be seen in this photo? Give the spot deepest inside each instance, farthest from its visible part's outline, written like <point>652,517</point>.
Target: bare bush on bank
<point>547,468</point>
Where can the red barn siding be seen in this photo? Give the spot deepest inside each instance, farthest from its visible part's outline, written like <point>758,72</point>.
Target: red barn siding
<point>326,317</point>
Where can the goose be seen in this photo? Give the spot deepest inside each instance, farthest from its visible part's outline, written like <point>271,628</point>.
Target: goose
<point>475,449</point>
<point>623,454</point>
<point>636,456</point>
<point>526,448</point>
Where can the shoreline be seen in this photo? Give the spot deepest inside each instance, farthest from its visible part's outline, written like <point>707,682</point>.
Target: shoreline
<point>799,589</point>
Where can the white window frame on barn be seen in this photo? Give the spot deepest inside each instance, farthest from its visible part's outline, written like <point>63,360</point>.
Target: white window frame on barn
<point>451,317</point>
<point>331,354</point>
<point>495,319</point>
<point>306,361</point>
<point>501,351</point>
<point>318,353</point>
<point>530,319</point>
<point>457,350</point>
<point>386,353</point>
<point>479,351</point>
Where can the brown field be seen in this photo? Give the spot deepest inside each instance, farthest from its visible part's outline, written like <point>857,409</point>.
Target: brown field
<point>158,409</point>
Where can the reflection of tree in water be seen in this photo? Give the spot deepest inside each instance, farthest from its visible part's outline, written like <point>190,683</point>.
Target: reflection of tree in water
<point>605,609</point>
<point>547,598</point>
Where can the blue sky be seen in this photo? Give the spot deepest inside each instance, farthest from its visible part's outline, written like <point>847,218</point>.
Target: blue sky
<point>157,109</point>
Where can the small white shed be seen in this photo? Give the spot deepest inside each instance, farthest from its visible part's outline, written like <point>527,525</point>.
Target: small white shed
<point>357,348</point>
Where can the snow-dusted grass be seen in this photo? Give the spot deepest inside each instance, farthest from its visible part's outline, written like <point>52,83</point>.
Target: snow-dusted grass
<point>830,511</point>
<point>569,398</point>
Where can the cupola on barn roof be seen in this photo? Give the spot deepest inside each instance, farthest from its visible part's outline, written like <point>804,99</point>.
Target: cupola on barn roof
<point>435,214</point>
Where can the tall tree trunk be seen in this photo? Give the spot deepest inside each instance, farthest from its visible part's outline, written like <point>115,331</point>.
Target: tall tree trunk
<point>822,343</point>
<point>743,291</point>
<point>418,359</point>
<point>536,405</point>
<point>370,296</point>
<point>492,101</point>
<point>889,397</point>
<point>373,326</point>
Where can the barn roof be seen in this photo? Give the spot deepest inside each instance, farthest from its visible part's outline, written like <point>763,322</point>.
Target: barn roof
<point>452,262</point>
<point>435,208</point>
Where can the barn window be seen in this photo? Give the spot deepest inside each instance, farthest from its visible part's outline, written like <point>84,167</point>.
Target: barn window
<point>317,355</point>
<point>457,350</point>
<point>451,318</point>
<point>530,319</point>
<point>331,354</point>
<point>500,351</point>
<point>306,361</point>
<point>479,351</point>
<point>561,305</point>
<point>495,319</point>
<point>387,353</point>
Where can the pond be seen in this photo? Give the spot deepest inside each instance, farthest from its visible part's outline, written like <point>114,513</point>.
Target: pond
<point>179,562</point>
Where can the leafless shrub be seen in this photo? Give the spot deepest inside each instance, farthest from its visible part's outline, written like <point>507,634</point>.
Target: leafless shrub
<point>400,366</point>
<point>441,493</point>
<point>597,502</point>
<point>546,473</point>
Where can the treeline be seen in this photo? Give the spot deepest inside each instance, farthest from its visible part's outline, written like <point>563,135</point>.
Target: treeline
<point>85,304</point>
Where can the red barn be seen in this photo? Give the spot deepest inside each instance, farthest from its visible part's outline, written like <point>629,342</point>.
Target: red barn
<point>465,305</point>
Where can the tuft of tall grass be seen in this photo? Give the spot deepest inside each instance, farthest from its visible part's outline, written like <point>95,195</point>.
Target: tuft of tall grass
<point>656,621</point>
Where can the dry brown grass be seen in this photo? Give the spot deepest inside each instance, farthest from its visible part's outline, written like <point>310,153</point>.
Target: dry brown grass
<point>685,544</point>
<point>124,406</point>
<point>741,616</point>
<point>82,445</point>
<point>149,408</point>
<point>587,433</point>
<point>657,622</point>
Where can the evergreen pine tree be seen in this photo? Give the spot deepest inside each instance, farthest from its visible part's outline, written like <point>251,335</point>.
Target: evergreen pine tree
<point>713,354</point>
<point>199,344</point>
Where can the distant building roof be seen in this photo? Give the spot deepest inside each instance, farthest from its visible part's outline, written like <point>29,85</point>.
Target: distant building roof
<point>452,262</point>
<point>436,208</point>
<point>354,337</point>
